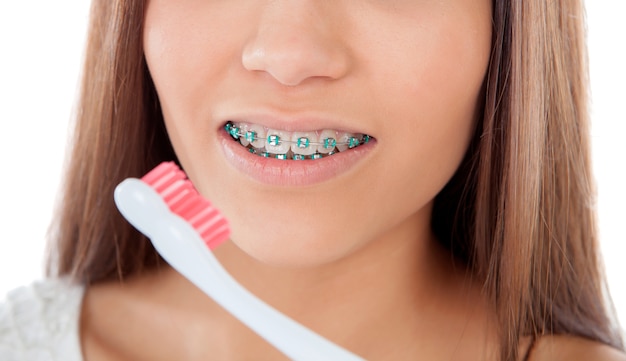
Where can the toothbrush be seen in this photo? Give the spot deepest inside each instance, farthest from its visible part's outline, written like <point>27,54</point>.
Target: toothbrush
<point>184,227</point>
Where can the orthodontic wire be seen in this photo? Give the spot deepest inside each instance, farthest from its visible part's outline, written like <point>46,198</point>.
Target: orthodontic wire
<point>351,143</point>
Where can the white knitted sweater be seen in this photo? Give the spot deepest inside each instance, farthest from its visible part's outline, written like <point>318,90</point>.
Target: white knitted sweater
<point>40,322</point>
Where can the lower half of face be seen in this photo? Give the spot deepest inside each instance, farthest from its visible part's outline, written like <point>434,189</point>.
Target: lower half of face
<point>318,127</point>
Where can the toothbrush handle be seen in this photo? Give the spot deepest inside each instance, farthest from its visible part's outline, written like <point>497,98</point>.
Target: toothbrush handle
<point>288,336</point>
<point>181,246</point>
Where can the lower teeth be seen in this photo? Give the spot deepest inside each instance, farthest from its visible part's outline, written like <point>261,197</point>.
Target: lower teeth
<point>289,155</point>
<point>350,143</point>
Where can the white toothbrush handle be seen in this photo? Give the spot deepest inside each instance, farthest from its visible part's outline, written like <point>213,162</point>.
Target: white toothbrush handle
<point>181,246</point>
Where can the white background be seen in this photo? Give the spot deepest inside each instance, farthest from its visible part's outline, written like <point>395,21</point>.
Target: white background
<point>41,48</point>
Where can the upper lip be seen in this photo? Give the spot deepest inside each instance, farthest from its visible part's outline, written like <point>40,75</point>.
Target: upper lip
<point>293,122</point>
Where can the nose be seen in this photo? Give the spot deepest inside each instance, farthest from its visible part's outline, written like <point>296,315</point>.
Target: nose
<point>295,41</point>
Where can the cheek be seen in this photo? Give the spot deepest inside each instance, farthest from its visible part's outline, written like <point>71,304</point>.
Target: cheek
<point>181,66</point>
<point>188,47</point>
<point>430,113</point>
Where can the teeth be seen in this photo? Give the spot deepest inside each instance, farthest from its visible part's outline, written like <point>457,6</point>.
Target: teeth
<point>346,141</point>
<point>301,143</point>
<point>285,145</point>
<point>327,140</point>
<point>277,141</point>
<point>233,130</point>
<point>261,136</point>
<point>245,134</point>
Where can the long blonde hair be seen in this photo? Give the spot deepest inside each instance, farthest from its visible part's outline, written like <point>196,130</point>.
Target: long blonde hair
<point>520,211</point>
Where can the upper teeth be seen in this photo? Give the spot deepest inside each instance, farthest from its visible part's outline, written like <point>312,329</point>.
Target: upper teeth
<point>293,145</point>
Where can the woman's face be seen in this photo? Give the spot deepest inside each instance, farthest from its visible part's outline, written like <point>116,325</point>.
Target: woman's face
<point>406,73</point>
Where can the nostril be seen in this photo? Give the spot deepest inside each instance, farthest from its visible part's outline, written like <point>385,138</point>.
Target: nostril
<point>291,54</point>
<point>284,69</point>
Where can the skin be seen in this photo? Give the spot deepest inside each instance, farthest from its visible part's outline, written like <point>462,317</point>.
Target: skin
<point>407,72</point>
<point>324,59</point>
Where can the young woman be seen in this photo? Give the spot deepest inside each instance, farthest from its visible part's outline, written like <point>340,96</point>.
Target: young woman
<point>440,208</point>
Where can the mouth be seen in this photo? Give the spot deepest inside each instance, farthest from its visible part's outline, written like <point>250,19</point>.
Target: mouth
<point>285,145</point>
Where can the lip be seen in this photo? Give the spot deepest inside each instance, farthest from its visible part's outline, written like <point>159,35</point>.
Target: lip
<point>291,173</point>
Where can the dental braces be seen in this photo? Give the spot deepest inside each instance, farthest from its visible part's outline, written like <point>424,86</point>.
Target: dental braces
<point>302,142</point>
<point>289,155</point>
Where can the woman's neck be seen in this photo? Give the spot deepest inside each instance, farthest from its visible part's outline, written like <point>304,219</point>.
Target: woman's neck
<point>399,296</point>
<point>370,298</point>
<point>401,265</point>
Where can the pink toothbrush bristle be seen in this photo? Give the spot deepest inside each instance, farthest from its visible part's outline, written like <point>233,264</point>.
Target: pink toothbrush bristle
<point>184,200</point>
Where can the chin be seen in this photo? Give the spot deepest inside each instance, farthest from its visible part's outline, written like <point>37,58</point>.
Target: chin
<point>295,246</point>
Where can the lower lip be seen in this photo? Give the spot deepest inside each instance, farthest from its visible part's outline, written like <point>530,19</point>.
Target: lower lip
<point>291,173</point>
